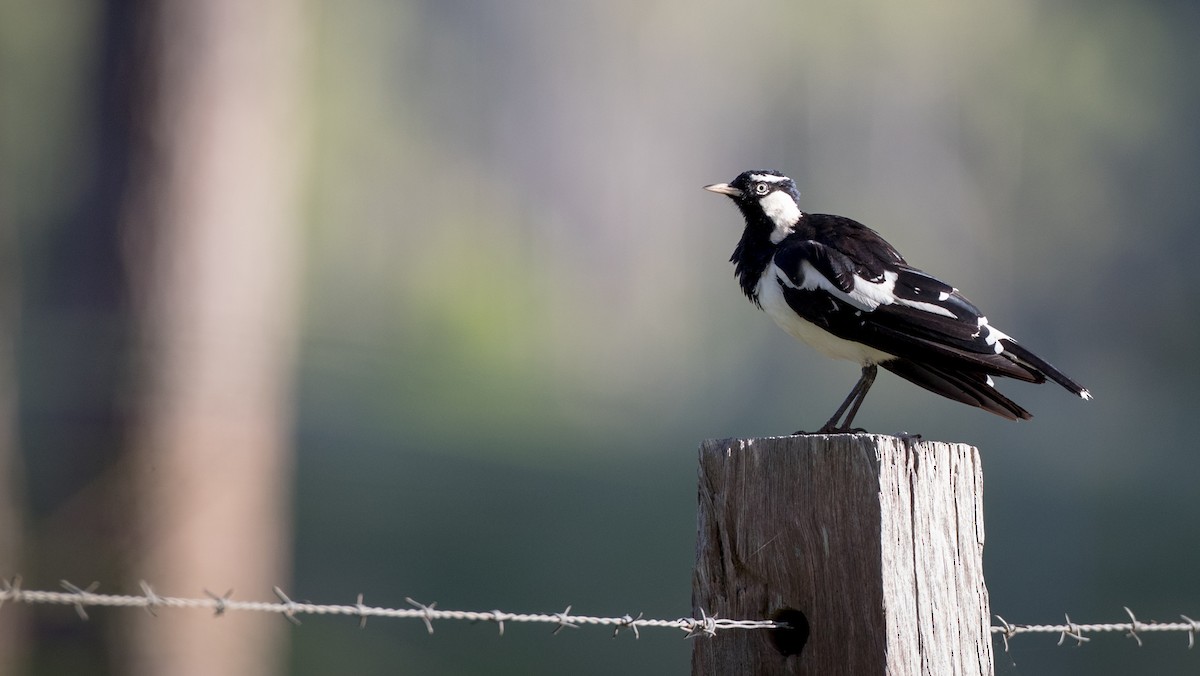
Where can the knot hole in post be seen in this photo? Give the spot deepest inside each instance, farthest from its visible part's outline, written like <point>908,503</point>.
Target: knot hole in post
<point>790,640</point>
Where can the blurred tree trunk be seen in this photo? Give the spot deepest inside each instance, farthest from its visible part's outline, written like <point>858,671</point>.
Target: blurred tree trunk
<point>212,224</point>
<point>13,639</point>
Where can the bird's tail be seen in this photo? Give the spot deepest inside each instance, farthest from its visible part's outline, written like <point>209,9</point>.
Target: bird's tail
<point>1026,358</point>
<point>969,386</point>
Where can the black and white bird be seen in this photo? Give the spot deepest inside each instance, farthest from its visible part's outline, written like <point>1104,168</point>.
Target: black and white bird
<point>837,285</point>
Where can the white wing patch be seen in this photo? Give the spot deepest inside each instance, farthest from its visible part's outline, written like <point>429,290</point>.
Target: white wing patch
<point>931,308</point>
<point>874,294</point>
<point>811,280</point>
<point>770,296</point>
<point>866,295</point>
<point>992,335</point>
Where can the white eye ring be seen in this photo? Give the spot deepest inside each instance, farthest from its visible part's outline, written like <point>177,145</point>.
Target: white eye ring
<point>762,189</point>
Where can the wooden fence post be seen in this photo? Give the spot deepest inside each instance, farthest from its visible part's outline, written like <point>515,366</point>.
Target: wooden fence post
<point>875,541</point>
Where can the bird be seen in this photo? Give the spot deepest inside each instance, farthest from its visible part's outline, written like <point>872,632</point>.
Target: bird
<point>840,287</point>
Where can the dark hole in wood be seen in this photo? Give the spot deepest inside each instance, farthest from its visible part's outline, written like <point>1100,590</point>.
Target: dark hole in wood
<point>791,639</point>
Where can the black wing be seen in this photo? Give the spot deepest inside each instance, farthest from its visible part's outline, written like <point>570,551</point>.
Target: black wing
<point>868,252</point>
<point>941,341</point>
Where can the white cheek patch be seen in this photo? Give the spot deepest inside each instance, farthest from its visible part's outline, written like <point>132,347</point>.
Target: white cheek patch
<point>783,212</point>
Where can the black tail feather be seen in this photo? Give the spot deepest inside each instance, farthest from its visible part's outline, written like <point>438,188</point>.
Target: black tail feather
<point>968,387</point>
<point>1026,358</point>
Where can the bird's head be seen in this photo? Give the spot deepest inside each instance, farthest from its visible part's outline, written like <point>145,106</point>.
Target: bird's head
<point>765,194</point>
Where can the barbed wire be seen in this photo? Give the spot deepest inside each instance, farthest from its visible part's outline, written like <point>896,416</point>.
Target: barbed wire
<point>1133,629</point>
<point>705,625</point>
<point>82,598</point>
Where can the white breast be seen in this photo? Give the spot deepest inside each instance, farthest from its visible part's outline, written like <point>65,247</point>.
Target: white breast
<point>770,296</point>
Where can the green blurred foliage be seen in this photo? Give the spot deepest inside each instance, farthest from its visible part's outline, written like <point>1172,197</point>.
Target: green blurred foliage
<point>520,321</point>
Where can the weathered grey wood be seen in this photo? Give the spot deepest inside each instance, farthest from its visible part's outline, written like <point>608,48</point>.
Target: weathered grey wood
<point>877,540</point>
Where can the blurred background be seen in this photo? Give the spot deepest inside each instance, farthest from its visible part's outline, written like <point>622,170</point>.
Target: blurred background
<point>424,299</point>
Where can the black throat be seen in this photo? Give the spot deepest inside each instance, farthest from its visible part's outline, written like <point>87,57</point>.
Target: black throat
<point>753,253</point>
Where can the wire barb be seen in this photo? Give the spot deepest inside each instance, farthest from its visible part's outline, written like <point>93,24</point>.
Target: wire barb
<point>1134,625</point>
<point>705,626</point>
<point>11,590</point>
<point>152,599</point>
<point>1073,631</point>
<point>1006,632</point>
<point>498,618</point>
<point>564,621</point>
<point>289,606</point>
<point>1193,625</point>
<point>427,612</point>
<point>628,622</point>
<point>219,602</point>
<point>82,595</point>
<point>362,612</point>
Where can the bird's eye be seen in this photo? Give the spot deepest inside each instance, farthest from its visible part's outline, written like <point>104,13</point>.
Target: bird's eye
<point>762,189</point>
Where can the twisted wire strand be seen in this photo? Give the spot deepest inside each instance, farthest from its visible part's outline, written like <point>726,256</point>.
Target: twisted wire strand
<point>705,625</point>
<point>82,598</point>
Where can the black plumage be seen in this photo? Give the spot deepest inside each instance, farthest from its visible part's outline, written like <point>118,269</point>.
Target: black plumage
<point>838,285</point>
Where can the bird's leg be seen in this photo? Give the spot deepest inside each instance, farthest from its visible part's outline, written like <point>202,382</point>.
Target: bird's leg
<point>852,402</point>
<point>864,384</point>
<point>831,426</point>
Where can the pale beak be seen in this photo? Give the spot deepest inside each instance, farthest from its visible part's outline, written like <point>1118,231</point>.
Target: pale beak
<point>724,189</point>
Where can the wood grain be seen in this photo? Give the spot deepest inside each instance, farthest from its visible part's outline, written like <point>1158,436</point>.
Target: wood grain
<point>877,540</point>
